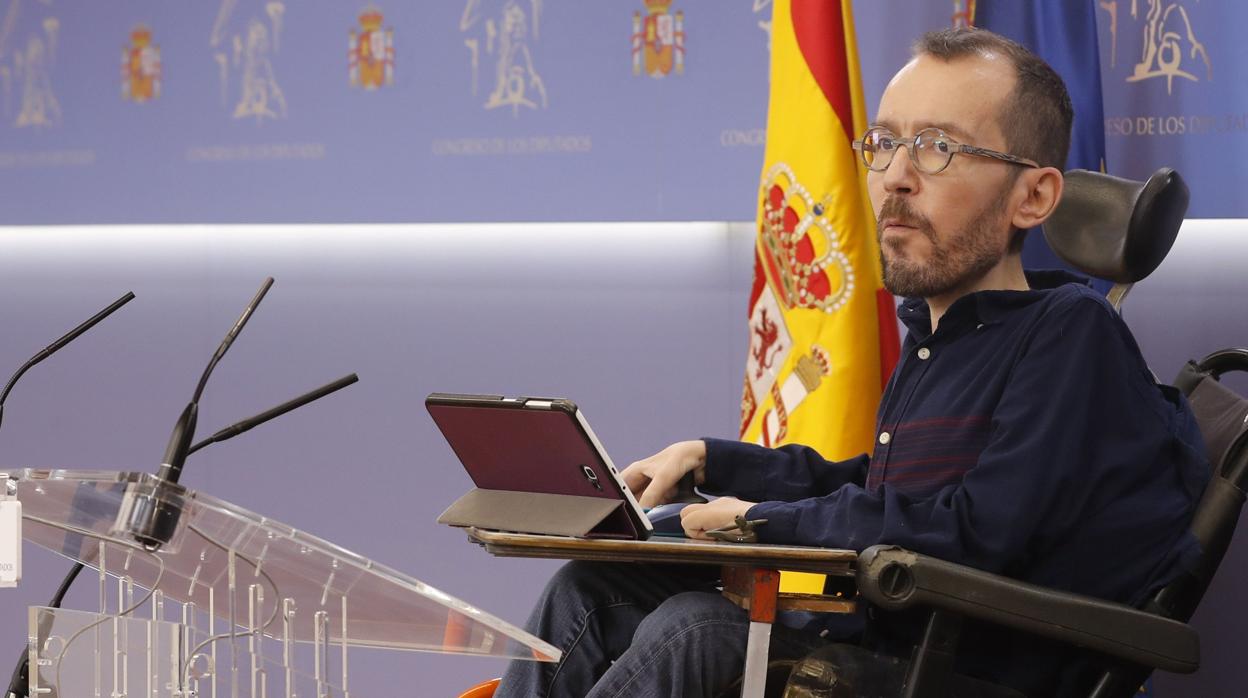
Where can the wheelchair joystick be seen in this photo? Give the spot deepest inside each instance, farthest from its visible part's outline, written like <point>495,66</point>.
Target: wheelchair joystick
<point>685,493</point>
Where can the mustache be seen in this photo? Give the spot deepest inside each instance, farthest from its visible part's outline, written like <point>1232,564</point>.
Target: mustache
<point>901,210</point>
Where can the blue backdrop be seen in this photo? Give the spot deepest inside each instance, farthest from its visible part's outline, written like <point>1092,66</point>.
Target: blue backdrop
<point>500,109</point>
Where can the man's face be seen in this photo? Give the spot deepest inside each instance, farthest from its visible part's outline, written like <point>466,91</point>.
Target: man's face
<point>940,233</point>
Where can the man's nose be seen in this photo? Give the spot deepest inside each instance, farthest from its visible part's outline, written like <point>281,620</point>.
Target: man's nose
<point>901,176</point>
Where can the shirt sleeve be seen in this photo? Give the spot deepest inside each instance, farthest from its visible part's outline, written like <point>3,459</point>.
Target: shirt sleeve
<point>786,474</point>
<point>1079,423</point>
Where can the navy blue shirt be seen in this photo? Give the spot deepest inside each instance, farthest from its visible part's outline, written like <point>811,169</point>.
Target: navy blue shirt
<point>1025,436</point>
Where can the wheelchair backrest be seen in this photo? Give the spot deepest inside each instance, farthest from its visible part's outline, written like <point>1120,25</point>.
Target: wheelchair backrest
<point>1222,415</point>
<point>1223,418</point>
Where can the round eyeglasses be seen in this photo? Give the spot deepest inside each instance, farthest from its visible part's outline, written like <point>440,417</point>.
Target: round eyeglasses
<point>931,150</point>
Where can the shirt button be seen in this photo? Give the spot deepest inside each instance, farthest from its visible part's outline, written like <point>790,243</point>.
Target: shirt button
<point>924,353</point>
<point>885,438</point>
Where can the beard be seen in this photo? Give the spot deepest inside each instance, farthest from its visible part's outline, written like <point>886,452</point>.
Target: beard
<point>953,263</point>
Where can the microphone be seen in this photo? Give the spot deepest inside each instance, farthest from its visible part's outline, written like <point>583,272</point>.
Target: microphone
<point>56,346</point>
<point>184,428</point>
<point>151,515</point>
<point>247,424</point>
<point>156,513</point>
<point>19,681</point>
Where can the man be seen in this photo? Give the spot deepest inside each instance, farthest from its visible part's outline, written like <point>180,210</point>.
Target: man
<point>1021,433</point>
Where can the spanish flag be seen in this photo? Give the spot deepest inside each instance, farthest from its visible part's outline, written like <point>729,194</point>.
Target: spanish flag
<point>823,331</point>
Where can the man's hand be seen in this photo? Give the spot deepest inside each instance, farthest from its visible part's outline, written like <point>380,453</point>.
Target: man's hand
<point>654,479</point>
<point>697,519</point>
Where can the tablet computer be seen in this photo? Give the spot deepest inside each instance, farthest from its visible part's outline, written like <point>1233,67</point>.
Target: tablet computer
<point>537,467</point>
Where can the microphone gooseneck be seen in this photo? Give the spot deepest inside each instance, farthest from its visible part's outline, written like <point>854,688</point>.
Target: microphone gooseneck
<point>275,412</point>
<point>152,515</point>
<point>19,682</point>
<point>56,346</point>
<point>184,429</point>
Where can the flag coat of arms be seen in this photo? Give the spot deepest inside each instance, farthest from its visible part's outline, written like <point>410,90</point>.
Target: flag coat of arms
<point>658,40</point>
<point>823,331</point>
<point>140,67</point>
<point>370,53</point>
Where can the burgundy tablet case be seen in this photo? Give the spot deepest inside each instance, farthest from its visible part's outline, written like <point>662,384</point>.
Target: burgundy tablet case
<point>535,466</point>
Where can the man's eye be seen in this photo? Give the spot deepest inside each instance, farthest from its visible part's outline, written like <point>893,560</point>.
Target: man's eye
<point>885,143</point>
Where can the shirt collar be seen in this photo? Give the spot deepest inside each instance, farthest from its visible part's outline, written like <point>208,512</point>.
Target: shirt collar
<point>985,307</point>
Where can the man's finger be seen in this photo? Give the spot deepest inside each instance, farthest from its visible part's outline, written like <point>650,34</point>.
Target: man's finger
<point>656,491</point>
<point>696,519</point>
<point>635,479</point>
<point>687,519</point>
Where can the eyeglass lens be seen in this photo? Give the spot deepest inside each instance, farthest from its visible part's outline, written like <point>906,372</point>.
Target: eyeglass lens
<point>930,151</point>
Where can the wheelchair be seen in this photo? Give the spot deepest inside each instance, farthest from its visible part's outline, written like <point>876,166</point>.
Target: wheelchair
<point>1114,229</point>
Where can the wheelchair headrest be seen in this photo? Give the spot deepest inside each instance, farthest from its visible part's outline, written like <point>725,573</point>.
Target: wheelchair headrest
<point>1117,229</point>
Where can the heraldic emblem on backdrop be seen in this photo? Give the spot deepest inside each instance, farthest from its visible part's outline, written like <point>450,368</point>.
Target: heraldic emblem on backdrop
<point>658,40</point>
<point>370,53</point>
<point>28,61</point>
<point>140,67</point>
<point>1170,49</point>
<point>246,40</point>
<point>508,37</point>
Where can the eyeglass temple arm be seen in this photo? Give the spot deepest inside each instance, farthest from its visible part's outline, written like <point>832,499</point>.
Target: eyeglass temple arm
<point>985,152</point>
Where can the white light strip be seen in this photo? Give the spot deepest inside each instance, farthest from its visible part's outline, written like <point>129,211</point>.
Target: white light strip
<point>673,245</point>
<point>174,233</point>
<point>351,241</point>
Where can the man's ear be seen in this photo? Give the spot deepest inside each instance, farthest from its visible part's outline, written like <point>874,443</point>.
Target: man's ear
<point>1044,190</point>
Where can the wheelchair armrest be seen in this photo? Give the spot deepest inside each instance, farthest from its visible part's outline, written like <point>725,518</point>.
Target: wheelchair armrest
<point>896,579</point>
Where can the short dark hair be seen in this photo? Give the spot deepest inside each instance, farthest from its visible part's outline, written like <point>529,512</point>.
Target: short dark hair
<point>1036,118</point>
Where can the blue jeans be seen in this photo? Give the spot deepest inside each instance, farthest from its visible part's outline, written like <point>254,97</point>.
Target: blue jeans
<point>639,630</point>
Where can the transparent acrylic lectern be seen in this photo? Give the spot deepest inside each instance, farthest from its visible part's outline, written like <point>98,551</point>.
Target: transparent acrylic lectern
<point>220,602</point>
